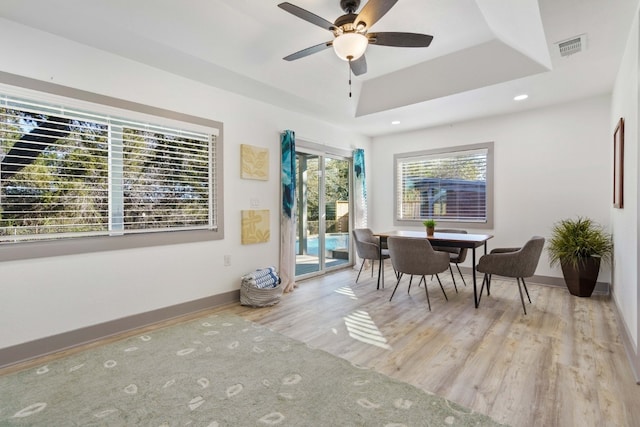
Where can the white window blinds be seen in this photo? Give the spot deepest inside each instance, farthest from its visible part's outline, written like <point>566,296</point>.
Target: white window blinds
<point>68,173</point>
<point>449,186</point>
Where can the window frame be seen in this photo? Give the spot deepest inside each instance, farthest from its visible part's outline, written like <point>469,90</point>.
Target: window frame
<point>24,87</point>
<point>488,224</point>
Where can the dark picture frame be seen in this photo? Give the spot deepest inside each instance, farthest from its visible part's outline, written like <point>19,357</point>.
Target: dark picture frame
<point>618,165</point>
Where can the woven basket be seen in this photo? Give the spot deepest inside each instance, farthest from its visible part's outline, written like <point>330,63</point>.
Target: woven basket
<point>256,297</point>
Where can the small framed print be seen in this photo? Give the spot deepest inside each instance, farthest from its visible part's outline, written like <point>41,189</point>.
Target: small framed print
<point>254,162</point>
<point>618,165</point>
<point>255,226</point>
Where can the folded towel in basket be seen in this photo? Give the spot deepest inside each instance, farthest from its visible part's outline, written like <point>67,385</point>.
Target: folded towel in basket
<point>262,278</point>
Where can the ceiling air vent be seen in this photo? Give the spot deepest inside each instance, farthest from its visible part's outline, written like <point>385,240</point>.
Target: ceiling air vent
<point>573,45</point>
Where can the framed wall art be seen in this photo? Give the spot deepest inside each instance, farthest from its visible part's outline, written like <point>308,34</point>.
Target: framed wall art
<point>254,162</point>
<point>618,165</point>
<point>255,226</point>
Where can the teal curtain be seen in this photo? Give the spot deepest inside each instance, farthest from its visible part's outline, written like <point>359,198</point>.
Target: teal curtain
<point>360,189</point>
<point>288,210</point>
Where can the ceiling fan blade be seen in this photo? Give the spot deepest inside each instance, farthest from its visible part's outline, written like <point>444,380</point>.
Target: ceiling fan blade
<point>400,39</point>
<point>308,51</point>
<point>373,11</point>
<point>307,16</point>
<point>359,66</point>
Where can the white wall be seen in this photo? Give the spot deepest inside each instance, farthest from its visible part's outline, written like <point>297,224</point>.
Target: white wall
<point>536,183</point>
<point>43,297</point>
<point>625,221</point>
<point>549,164</point>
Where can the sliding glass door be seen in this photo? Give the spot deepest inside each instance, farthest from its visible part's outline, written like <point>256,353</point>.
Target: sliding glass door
<point>308,229</point>
<point>322,194</point>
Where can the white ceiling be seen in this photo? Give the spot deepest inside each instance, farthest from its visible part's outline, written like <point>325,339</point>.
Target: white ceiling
<point>484,53</point>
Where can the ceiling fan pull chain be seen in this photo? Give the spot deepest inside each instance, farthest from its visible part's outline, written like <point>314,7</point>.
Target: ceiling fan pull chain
<point>349,58</point>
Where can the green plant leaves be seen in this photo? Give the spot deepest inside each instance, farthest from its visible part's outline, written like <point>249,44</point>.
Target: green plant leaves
<point>573,240</point>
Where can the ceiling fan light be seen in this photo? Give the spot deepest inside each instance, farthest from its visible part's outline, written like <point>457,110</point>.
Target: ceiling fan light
<point>350,46</point>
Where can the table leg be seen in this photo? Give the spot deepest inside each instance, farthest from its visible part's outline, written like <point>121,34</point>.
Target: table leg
<point>380,265</point>
<point>473,271</point>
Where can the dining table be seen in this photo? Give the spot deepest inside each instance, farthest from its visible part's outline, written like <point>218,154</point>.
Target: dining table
<point>451,240</point>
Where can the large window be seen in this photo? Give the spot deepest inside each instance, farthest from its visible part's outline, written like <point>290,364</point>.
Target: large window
<point>68,173</point>
<point>451,186</point>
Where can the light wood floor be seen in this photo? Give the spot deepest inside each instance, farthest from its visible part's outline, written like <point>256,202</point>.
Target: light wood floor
<point>563,364</point>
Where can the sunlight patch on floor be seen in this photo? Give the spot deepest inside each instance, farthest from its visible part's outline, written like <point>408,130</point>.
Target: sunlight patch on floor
<point>362,328</point>
<point>346,290</point>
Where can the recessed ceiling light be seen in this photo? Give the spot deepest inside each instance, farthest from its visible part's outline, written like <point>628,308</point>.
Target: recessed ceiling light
<point>395,122</point>
<point>520,97</point>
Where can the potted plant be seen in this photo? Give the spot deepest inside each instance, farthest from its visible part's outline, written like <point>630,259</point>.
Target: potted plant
<point>431,226</point>
<point>579,245</point>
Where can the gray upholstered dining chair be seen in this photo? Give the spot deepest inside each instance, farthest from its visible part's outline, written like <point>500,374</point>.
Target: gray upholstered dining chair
<point>417,258</point>
<point>368,248</point>
<point>512,262</point>
<point>456,255</point>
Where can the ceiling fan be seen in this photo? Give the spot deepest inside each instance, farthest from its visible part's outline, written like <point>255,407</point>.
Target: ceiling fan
<point>351,32</point>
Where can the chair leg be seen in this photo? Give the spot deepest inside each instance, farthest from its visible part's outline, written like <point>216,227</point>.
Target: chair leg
<point>525,289</point>
<point>426,291</point>
<point>453,278</point>
<point>410,280</point>
<point>463,281</point>
<point>484,281</point>
<point>360,271</point>
<point>521,297</point>
<point>394,289</point>
<point>372,265</point>
<point>441,287</point>
<point>489,284</point>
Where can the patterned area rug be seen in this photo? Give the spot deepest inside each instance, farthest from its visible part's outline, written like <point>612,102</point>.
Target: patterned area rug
<point>217,371</point>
